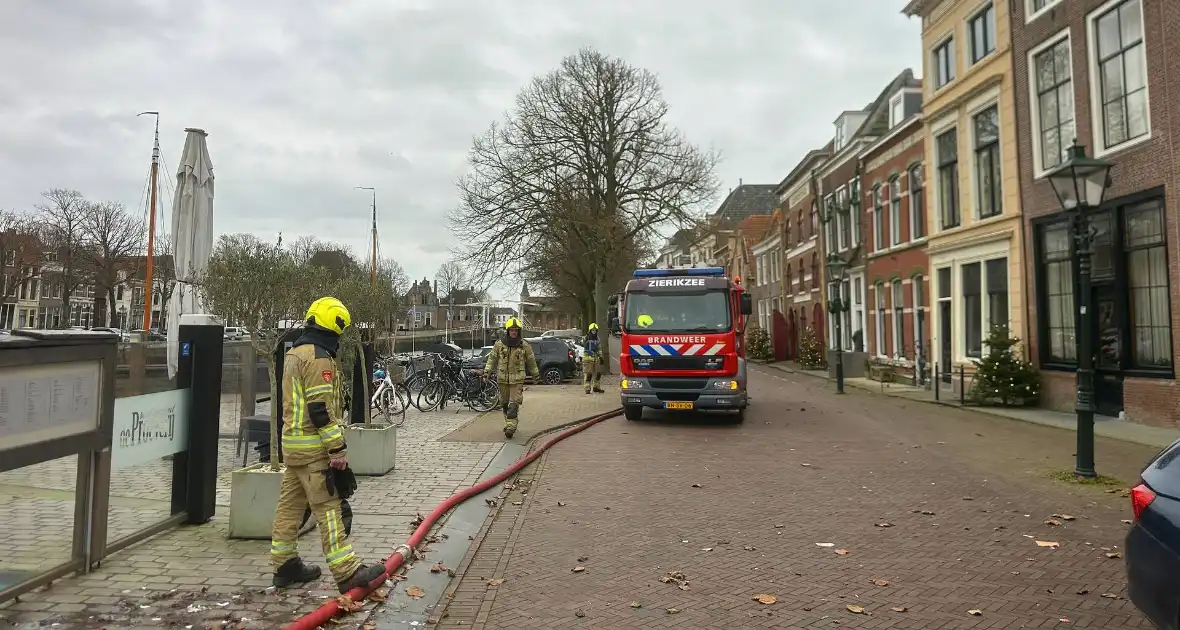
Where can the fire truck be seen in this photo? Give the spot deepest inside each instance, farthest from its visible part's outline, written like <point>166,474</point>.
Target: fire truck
<point>682,341</point>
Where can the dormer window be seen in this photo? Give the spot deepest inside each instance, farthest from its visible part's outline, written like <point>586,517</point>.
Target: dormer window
<point>840,134</point>
<point>896,109</point>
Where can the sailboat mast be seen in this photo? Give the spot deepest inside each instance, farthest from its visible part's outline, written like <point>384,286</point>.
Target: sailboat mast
<point>147,273</point>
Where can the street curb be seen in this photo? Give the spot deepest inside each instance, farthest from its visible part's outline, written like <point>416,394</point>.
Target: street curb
<point>1163,443</point>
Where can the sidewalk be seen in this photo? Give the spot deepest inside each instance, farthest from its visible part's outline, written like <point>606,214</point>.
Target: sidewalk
<point>1103,426</point>
<point>195,576</point>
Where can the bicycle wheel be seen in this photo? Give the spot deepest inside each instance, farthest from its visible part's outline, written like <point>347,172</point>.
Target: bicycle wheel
<point>432,396</point>
<point>483,396</point>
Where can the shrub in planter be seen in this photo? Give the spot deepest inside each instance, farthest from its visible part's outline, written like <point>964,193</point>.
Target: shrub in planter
<point>811,351</point>
<point>758,344</point>
<point>1002,377</point>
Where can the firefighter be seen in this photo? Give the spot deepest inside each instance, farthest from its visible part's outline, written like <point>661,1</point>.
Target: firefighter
<point>510,358</point>
<point>592,361</point>
<point>315,455</point>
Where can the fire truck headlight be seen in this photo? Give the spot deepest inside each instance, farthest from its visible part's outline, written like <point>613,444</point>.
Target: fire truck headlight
<point>630,383</point>
<point>729,385</point>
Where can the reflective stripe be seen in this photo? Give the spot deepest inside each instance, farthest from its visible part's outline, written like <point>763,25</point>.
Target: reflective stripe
<point>278,548</point>
<point>303,442</point>
<point>337,553</point>
<point>317,390</point>
<point>332,432</point>
<point>296,407</point>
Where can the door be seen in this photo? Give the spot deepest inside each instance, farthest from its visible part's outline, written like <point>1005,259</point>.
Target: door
<point>1108,351</point>
<point>944,340</point>
<point>779,335</point>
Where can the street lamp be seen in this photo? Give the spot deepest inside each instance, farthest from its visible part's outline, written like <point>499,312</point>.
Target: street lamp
<point>837,268</point>
<point>1080,184</point>
<point>122,317</point>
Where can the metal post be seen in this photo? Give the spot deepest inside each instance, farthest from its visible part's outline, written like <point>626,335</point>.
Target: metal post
<point>962,385</point>
<point>1084,466</point>
<point>936,382</point>
<point>839,312</point>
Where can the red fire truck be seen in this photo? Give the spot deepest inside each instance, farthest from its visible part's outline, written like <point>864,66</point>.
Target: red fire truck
<point>682,346</point>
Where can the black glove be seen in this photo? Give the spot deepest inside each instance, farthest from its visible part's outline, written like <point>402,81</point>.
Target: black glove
<point>342,482</point>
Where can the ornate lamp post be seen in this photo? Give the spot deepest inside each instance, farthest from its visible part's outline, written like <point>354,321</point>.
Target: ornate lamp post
<point>837,269</point>
<point>122,317</point>
<point>1080,184</point>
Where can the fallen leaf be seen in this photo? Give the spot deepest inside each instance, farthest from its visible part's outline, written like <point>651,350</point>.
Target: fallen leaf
<point>899,609</point>
<point>676,577</point>
<point>765,598</point>
<point>438,568</point>
<point>805,465</point>
<point>884,524</point>
<point>779,526</point>
<point>582,559</point>
<point>857,610</point>
<point>749,548</point>
<point>1111,596</point>
<point>696,485</point>
<point>518,503</point>
<point>1113,554</point>
<point>842,552</point>
<point>561,504</point>
<point>495,581</point>
<point>509,486</point>
<point>1053,522</point>
<point>1047,543</point>
<point>975,612</point>
<point>369,626</point>
<point>706,549</point>
<point>379,595</point>
<point>825,544</point>
<point>1066,517</point>
<point>672,611</point>
<point>636,605</point>
<point>927,513</point>
<point>1083,591</point>
<point>415,592</point>
<point>579,614</point>
<point>880,582</point>
<point>578,569</point>
<point>1127,521</point>
<point>345,603</point>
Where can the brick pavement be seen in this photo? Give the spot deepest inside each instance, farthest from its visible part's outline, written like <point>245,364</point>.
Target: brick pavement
<point>761,508</point>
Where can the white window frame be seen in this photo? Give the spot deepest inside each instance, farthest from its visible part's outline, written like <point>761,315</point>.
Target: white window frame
<point>830,227</point>
<point>841,218</point>
<point>853,213</point>
<point>987,100</point>
<point>1039,170</point>
<point>878,219</point>
<point>935,299</point>
<point>896,109</point>
<point>895,211</point>
<point>921,192</point>
<point>919,307</point>
<point>999,144</point>
<point>952,62</point>
<point>898,312</point>
<point>970,43</point>
<point>1031,14</point>
<point>1100,148</point>
<point>879,318</point>
<point>838,141</point>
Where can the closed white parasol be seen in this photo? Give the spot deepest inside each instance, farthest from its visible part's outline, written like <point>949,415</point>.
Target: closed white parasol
<point>192,234</point>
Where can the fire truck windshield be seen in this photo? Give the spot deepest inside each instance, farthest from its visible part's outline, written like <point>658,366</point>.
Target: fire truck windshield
<point>670,312</point>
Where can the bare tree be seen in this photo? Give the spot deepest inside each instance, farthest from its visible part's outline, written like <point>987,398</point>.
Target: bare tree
<point>62,221</point>
<point>113,241</point>
<point>589,140</point>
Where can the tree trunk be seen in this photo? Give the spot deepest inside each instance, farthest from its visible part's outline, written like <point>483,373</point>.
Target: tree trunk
<point>65,309</point>
<point>111,308</point>
<point>600,297</point>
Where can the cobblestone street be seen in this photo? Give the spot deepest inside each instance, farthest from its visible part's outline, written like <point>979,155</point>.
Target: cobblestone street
<point>862,511</point>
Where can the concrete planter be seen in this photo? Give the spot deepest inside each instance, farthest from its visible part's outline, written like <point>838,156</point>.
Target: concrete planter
<point>254,493</point>
<point>371,448</point>
<point>854,364</point>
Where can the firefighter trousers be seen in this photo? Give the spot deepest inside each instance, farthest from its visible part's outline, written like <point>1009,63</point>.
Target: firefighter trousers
<point>511,396</point>
<point>301,486</point>
<point>590,374</point>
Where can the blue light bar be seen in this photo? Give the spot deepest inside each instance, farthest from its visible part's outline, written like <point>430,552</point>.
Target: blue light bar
<point>690,271</point>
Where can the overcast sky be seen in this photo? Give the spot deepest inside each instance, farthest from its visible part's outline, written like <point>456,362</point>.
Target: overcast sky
<point>303,99</point>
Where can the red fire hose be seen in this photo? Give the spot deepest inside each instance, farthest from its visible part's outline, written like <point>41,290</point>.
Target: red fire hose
<point>402,554</point>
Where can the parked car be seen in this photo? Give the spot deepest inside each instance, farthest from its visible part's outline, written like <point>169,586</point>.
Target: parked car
<point>477,360</point>
<point>555,358</point>
<point>1153,541</point>
<point>234,333</point>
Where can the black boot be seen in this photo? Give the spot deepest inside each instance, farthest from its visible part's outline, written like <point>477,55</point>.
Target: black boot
<point>599,390</point>
<point>362,577</point>
<point>294,571</point>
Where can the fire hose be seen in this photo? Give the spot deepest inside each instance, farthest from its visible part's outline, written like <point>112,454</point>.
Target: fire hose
<point>405,552</point>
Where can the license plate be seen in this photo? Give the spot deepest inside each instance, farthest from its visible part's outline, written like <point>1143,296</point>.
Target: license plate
<point>675,404</point>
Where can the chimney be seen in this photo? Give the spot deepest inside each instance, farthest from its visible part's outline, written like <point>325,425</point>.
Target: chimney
<point>739,181</point>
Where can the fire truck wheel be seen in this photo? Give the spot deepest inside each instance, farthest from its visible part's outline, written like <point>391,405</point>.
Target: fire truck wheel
<point>740,416</point>
<point>633,412</point>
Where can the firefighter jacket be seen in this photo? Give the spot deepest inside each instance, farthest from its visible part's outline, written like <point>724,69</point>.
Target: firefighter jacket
<point>311,405</point>
<point>511,361</point>
<point>592,346</point>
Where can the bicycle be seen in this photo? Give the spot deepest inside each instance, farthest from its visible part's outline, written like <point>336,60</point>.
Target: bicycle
<point>451,382</point>
<point>390,397</point>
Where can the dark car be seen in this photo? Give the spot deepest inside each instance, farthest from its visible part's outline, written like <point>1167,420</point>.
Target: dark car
<point>477,360</point>
<point>1153,542</point>
<point>448,350</point>
<point>555,359</point>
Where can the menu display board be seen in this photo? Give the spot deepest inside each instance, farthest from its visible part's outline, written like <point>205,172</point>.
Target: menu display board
<point>39,403</point>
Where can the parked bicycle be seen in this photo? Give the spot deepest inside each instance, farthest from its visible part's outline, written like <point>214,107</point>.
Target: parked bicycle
<point>450,381</point>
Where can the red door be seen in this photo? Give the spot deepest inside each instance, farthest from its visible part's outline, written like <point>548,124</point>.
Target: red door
<point>792,336</point>
<point>779,336</point>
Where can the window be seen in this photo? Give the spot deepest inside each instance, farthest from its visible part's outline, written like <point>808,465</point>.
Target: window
<point>987,162</point>
<point>1147,273</point>
<point>839,140</point>
<point>944,63</point>
<point>1036,6</point>
<point>972,309</point>
<point>1122,73</point>
<point>896,110</point>
<point>878,219</point>
<point>879,346</point>
<point>814,271</point>
<point>982,27</point>
<point>917,204</point>
<point>858,310</point>
<point>830,225</point>
<point>895,212</point>
<point>919,290</point>
<point>843,216</point>
<point>1057,263</point>
<point>1054,104</point>
<point>853,199</point>
<point>947,146</point>
<point>898,320</point>
<point>996,271</point>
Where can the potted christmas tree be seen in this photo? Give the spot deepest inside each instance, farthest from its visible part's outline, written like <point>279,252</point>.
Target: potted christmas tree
<point>1002,377</point>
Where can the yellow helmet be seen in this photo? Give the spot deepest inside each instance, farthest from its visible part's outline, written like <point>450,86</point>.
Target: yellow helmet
<point>330,314</point>
<point>593,327</point>
<point>512,323</point>
<point>644,321</point>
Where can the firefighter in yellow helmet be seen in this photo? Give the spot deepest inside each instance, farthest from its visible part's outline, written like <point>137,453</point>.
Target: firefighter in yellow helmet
<point>592,360</point>
<point>510,358</point>
<point>315,455</point>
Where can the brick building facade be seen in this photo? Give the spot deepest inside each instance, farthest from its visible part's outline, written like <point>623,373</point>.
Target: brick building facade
<point>1061,49</point>
<point>803,270</point>
<point>895,219</point>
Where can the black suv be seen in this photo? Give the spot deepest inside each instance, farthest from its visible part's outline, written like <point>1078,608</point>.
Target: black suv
<point>555,359</point>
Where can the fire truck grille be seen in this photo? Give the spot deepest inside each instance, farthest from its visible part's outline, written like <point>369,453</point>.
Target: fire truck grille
<point>678,383</point>
<point>673,363</point>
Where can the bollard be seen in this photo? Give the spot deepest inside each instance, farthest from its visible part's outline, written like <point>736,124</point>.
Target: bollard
<point>194,471</point>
